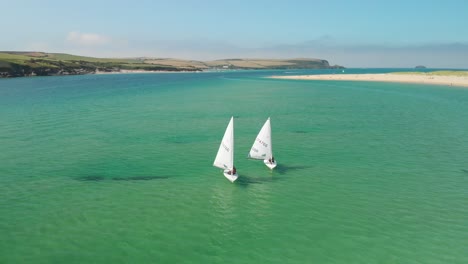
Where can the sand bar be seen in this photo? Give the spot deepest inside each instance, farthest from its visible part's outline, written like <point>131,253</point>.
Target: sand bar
<point>421,78</point>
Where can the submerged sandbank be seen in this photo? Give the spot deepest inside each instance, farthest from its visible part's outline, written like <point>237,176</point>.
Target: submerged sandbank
<point>451,78</point>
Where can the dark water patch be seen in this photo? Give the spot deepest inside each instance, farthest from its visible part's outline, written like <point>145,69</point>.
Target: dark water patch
<point>464,170</point>
<point>184,139</point>
<point>283,169</point>
<point>177,140</point>
<point>91,178</point>
<point>245,180</point>
<point>98,178</point>
<point>300,132</point>
<point>140,178</point>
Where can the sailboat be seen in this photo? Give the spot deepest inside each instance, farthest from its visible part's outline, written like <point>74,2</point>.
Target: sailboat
<point>225,157</point>
<point>262,148</point>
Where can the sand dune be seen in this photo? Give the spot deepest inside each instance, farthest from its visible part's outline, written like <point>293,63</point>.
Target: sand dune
<point>452,80</point>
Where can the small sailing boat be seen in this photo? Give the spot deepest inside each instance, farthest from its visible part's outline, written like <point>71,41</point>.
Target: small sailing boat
<point>225,157</point>
<point>262,148</point>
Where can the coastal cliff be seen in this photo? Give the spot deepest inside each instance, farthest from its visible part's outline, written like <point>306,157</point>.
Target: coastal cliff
<point>19,64</point>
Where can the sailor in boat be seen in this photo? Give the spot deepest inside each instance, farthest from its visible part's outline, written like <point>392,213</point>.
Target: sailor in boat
<point>272,160</point>
<point>233,171</point>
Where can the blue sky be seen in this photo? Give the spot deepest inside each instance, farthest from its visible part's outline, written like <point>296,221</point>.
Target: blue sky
<point>350,33</point>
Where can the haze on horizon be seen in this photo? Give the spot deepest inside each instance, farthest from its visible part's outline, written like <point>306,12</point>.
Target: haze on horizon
<point>353,34</point>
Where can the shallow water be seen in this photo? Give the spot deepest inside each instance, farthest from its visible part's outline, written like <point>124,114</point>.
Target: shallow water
<point>118,168</point>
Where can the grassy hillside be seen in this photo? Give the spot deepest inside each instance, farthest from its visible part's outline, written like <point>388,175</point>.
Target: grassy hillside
<point>176,63</point>
<point>15,64</point>
<point>270,64</point>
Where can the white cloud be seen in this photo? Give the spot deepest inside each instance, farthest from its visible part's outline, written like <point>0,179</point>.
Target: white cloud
<point>87,39</point>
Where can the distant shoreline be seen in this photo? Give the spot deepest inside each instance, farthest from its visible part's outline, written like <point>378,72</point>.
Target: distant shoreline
<point>449,78</point>
<point>32,63</point>
<point>122,71</point>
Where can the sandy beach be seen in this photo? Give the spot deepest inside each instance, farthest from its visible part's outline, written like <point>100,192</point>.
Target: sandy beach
<point>451,80</point>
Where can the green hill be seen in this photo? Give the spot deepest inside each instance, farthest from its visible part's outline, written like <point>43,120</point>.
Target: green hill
<point>17,64</point>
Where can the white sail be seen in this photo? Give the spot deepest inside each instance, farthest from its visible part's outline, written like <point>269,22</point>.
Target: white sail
<point>225,157</point>
<point>261,148</point>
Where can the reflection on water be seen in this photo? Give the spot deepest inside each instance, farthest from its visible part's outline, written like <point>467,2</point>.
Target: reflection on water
<point>245,180</point>
<point>274,175</point>
<point>231,204</point>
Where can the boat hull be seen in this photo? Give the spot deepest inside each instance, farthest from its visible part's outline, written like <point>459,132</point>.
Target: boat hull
<point>230,177</point>
<point>269,164</point>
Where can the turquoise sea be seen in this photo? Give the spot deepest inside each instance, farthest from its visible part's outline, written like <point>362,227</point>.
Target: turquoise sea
<point>118,169</point>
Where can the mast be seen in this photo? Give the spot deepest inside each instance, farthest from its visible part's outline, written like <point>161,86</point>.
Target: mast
<point>271,138</point>
<point>232,142</point>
